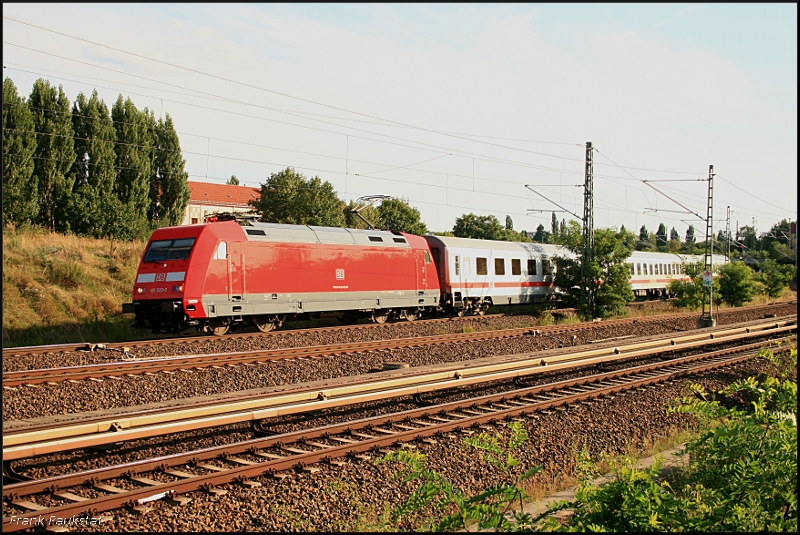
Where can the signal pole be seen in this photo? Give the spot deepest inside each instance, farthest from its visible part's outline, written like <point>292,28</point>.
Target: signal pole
<point>587,280</point>
<point>707,318</point>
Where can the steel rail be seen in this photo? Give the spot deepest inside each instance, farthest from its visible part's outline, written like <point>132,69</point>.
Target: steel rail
<point>364,435</point>
<point>31,442</point>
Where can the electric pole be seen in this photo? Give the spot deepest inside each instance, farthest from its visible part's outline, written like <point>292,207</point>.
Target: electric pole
<point>707,318</point>
<point>728,236</point>
<point>587,279</point>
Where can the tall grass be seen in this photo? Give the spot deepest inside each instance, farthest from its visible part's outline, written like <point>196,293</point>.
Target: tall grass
<point>61,288</point>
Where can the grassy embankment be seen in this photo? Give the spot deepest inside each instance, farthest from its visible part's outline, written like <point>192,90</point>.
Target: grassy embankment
<point>59,289</point>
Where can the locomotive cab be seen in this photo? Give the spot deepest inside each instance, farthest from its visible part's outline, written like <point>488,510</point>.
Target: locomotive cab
<point>164,298</point>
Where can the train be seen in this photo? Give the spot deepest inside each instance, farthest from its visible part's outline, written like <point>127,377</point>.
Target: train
<point>216,276</point>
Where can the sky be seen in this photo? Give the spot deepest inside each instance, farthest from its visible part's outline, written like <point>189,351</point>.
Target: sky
<point>457,108</point>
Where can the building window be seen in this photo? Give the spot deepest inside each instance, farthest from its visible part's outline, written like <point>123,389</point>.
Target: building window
<point>532,267</point>
<point>516,267</point>
<point>499,266</point>
<point>480,266</point>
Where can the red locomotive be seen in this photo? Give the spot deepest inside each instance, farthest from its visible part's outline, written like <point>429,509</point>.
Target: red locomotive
<point>218,275</point>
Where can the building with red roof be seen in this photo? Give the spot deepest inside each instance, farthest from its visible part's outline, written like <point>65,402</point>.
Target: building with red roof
<point>208,198</point>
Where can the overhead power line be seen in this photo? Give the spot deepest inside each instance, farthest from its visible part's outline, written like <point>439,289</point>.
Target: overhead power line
<point>310,101</point>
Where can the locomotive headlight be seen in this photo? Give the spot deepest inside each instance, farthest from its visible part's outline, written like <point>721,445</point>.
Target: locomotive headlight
<point>139,290</point>
<point>178,288</point>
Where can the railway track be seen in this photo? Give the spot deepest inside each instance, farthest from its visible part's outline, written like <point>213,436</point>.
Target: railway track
<point>129,347</point>
<point>23,439</point>
<point>89,493</point>
<point>132,366</point>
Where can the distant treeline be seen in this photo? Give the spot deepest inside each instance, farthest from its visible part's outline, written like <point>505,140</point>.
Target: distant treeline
<point>86,169</point>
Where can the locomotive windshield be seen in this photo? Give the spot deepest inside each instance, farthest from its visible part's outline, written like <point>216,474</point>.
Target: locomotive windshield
<point>169,250</point>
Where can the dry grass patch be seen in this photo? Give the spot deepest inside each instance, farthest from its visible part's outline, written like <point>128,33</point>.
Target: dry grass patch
<point>59,288</point>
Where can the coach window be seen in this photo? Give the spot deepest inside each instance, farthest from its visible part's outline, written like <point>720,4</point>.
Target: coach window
<point>222,251</point>
<point>631,269</point>
<point>499,266</point>
<point>516,267</point>
<point>532,267</point>
<point>547,268</point>
<point>458,266</point>
<point>638,269</point>
<point>480,266</point>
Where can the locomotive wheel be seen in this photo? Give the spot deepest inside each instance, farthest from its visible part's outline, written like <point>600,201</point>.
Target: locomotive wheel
<point>263,324</point>
<point>219,328</point>
<point>411,315</point>
<point>380,318</point>
<point>460,312</point>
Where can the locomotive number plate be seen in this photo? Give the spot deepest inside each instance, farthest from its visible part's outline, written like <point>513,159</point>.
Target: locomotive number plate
<point>339,274</point>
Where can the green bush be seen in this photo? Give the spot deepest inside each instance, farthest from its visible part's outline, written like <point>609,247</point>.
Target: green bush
<point>775,277</point>
<point>741,473</point>
<point>690,294</point>
<point>736,285</point>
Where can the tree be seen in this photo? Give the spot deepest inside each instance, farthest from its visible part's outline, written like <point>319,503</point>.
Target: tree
<point>736,284</point>
<point>629,239</point>
<point>20,187</point>
<point>746,235</point>
<point>233,181</point>
<point>661,237</point>
<point>289,197</point>
<point>485,227</point>
<point>554,228</point>
<point>54,153</point>
<point>398,216</point>
<point>644,243</point>
<point>509,223</point>
<point>775,277</point>
<point>169,188</point>
<point>541,235</point>
<point>607,269</point>
<point>135,135</point>
<point>93,169</point>
<point>690,239</point>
